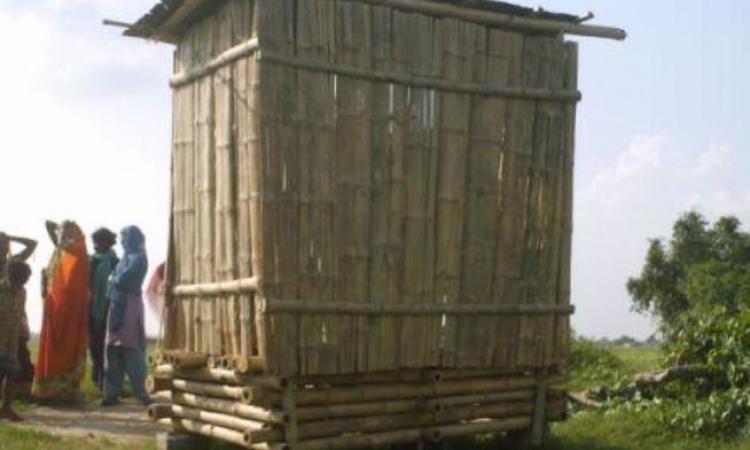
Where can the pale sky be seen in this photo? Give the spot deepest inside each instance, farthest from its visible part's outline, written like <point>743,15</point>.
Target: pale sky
<point>85,127</point>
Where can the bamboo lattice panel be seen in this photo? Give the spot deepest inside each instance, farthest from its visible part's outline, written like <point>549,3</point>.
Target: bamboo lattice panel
<point>371,167</point>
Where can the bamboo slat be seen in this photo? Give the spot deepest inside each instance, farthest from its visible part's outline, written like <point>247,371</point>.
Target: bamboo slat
<point>251,412</point>
<point>500,19</point>
<point>246,285</point>
<point>224,376</point>
<point>365,393</point>
<point>243,394</point>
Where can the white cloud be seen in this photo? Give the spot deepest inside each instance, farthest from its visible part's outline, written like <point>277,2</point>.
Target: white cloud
<point>716,157</point>
<point>721,202</point>
<point>644,154</point>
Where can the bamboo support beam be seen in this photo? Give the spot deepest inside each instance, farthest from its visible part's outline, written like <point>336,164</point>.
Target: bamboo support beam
<point>154,384</point>
<point>219,419</point>
<point>378,423</point>
<point>220,375</point>
<point>158,411</point>
<point>407,376</point>
<point>369,440</point>
<point>216,432</point>
<point>490,90</point>
<point>365,393</point>
<point>324,412</point>
<point>439,84</point>
<point>245,364</point>
<point>462,400</point>
<point>252,412</point>
<point>438,309</point>
<point>499,19</point>
<point>239,393</point>
<point>245,285</point>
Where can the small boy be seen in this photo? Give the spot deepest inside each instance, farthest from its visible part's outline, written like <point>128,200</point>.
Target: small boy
<point>12,307</point>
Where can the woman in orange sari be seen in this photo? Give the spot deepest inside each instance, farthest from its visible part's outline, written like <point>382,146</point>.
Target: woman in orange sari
<point>64,338</point>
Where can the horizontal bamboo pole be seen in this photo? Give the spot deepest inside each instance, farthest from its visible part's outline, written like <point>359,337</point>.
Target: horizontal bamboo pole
<point>367,440</point>
<point>407,376</point>
<point>309,413</point>
<point>386,422</point>
<point>250,47</point>
<point>233,54</point>
<point>484,427</point>
<point>216,432</point>
<point>155,358</point>
<point>219,419</point>
<point>158,411</point>
<point>383,309</point>
<point>246,364</point>
<point>243,394</point>
<point>219,375</point>
<point>154,384</point>
<point>499,19</point>
<point>185,360</point>
<point>441,403</point>
<point>439,84</point>
<point>213,431</point>
<point>365,393</point>
<point>252,412</point>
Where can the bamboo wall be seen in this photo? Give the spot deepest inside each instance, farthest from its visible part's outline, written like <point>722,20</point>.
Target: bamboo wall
<point>397,185</point>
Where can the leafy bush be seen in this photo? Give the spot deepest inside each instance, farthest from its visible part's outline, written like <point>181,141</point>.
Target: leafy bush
<point>712,398</point>
<point>590,363</point>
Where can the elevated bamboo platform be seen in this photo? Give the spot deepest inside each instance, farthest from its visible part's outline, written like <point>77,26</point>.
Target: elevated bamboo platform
<point>316,413</point>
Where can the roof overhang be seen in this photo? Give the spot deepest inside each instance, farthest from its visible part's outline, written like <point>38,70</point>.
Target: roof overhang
<point>169,19</point>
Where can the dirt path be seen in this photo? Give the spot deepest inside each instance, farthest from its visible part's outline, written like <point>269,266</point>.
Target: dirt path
<point>124,422</point>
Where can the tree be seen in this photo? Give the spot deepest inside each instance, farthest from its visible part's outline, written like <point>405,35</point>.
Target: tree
<point>701,268</point>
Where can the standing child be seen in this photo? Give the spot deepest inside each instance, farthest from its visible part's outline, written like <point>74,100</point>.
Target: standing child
<point>12,306</point>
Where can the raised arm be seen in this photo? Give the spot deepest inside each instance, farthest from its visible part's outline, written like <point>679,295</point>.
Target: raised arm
<point>29,245</point>
<point>52,230</point>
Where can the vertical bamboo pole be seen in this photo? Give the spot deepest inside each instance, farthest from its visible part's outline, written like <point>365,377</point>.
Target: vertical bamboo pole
<point>398,129</point>
<point>454,124</point>
<point>316,139</point>
<point>353,104</point>
<point>280,183</point>
<point>479,227</point>
<point>562,344</point>
<point>507,49</point>
<point>380,179</point>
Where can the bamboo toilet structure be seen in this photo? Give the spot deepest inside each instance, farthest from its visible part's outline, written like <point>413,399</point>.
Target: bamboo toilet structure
<point>370,229</point>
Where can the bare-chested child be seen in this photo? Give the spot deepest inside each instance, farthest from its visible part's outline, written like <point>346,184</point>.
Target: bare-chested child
<point>12,306</point>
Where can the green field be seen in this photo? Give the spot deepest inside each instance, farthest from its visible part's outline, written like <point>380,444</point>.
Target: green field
<point>592,430</point>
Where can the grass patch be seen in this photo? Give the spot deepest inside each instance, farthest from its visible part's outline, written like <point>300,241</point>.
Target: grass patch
<point>12,438</point>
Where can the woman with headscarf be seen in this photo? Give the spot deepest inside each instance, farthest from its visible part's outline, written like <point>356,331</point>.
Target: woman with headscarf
<point>64,339</point>
<point>103,263</point>
<point>126,338</point>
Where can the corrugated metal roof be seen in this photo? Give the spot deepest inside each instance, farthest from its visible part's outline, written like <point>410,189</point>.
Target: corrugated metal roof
<point>151,24</point>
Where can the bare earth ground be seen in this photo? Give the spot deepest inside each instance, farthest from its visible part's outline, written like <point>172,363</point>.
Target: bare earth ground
<point>126,422</point>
